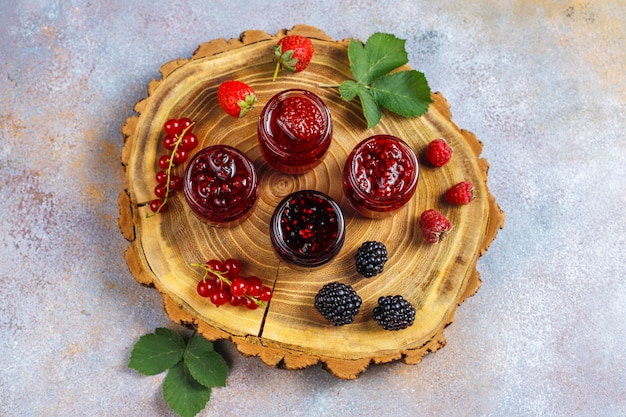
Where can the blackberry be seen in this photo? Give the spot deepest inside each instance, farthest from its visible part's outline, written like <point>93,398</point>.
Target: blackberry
<point>338,303</point>
<point>370,258</point>
<point>394,313</point>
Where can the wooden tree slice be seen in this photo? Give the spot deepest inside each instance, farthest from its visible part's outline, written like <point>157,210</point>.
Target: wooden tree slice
<point>290,332</point>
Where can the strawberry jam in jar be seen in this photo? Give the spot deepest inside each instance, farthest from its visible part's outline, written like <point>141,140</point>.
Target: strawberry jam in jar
<point>307,228</point>
<point>380,175</point>
<point>295,130</point>
<point>221,185</point>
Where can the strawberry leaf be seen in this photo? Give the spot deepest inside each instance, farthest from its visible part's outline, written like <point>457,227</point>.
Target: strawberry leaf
<point>182,393</point>
<point>381,54</point>
<point>205,365</point>
<point>403,92</point>
<point>349,89</point>
<point>371,110</point>
<point>156,352</point>
<point>378,84</point>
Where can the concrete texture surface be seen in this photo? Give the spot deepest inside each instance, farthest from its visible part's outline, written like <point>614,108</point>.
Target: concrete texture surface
<point>541,83</point>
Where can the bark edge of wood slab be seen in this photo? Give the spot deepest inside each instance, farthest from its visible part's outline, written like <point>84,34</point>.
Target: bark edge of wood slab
<point>289,332</point>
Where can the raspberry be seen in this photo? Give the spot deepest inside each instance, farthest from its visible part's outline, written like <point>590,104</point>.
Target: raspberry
<point>435,226</point>
<point>438,152</point>
<point>394,313</point>
<point>461,193</point>
<point>338,303</point>
<point>370,258</point>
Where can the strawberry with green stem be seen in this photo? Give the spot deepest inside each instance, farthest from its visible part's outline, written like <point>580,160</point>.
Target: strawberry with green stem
<point>292,53</point>
<point>236,98</point>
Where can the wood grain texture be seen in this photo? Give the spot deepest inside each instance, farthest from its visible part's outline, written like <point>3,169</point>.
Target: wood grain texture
<point>290,333</point>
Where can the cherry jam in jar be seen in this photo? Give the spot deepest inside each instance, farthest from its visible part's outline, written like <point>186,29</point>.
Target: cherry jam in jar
<point>307,228</point>
<point>221,185</point>
<point>380,175</point>
<point>295,130</point>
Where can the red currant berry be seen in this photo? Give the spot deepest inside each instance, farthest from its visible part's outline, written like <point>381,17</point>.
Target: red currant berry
<point>250,303</point>
<point>184,123</point>
<point>172,126</point>
<point>215,265</point>
<point>204,288</point>
<point>161,177</point>
<point>266,294</point>
<point>180,156</point>
<point>219,296</point>
<point>160,191</point>
<point>238,286</point>
<point>235,300</point>
<point>157,205</point>
<point>189,142</point>
<point>255,286</point>
<point>164,162</point>
<point>232,266</point>
<point>176,183</point>
<point>169,142</point>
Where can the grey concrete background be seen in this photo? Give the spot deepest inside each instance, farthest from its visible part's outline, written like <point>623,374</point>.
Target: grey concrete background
<point>541,83</point>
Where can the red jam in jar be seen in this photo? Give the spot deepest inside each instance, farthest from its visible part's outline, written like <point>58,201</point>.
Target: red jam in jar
<point>380,175</point>
<point>220,185</point>
<point>295,130</point>
<point>307,228</point>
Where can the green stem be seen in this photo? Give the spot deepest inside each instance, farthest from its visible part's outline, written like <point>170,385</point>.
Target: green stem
<point>328,85</point>
<point>276,71</point>
<point>222,277</point>
<point>169,168</point>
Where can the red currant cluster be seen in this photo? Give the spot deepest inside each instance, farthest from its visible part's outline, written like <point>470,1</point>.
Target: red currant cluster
<point>179,140</point>
<point>222,283</point>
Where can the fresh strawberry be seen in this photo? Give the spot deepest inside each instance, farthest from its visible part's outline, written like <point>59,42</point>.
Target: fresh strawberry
<point>300,120</point>
<point>434,226</point>
<point>236,97</point>
<point>438,152</point>
<point>461,193</point>
<point>293,53</point>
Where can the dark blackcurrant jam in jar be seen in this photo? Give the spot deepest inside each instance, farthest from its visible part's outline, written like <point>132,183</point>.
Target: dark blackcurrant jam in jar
<point>307,228</point>
<point>380,175</point>
<point>295,130</point>
<point>221,185</point>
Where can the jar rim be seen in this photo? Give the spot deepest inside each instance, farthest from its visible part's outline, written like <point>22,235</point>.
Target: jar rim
<point>312,259</point>
<point>230,212</point>
<point>376,203</point>
<point>265,120</point>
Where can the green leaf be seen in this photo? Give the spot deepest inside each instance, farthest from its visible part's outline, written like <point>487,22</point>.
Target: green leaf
<point>184,395</point>
<point>205,365</point>
<point>371,110</point>
<point>377,85</point>
<point>405,92</point>
<point>349,89</point>
<point>155,352</point>
<point>381,54</point>
<point>359,61</point>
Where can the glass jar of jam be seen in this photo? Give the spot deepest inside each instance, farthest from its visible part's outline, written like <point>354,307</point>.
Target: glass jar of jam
<point>380,175</point>
<point>221,185</point>
<point>307,228</point>
<point>295,130</point>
